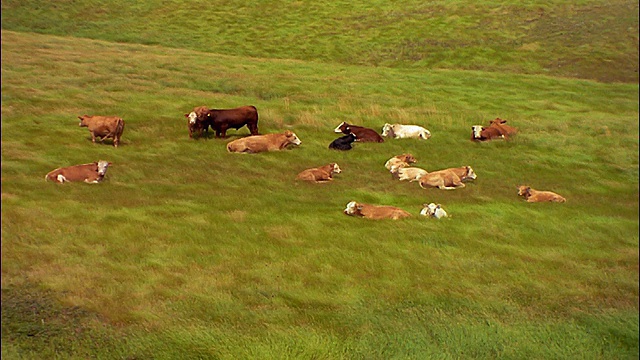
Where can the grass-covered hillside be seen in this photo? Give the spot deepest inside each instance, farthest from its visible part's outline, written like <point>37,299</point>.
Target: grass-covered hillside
<point>186,251</point>
<point>590,39</point>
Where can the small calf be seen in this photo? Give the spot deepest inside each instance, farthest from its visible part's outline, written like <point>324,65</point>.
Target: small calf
<point>343,143</point>
<point>92,173</point>
<point>532,195</point>
<point>376,212</point>
<point>320,174</point>
<point>433,210</point>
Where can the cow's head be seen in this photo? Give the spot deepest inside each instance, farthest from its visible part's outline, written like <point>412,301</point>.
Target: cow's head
<point>477,131</point>
<point>470,174</point>
<point>192,116</point>
<point>433,210</point>
<point>341,127</point>
<point>336,169</point>
<point>408,158</point>
<point>353,209</point>
<point>292,137</point>
<point>387,130</point>
<point>83,119</point>
<point>102,167</point>
<point>524,190</point>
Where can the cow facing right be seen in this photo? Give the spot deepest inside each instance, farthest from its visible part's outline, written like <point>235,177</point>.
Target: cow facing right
<point>92,173</point>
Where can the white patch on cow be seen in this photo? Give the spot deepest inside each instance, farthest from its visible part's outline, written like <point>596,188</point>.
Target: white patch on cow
<point>61,179</point>
<point>102,167</point>
<point>471,174</point>
<point>336,169</point>
<point>192,117</point>
<point>477,131</point>
<point>338,130</point>
<point>386,129</point>
<point>296,140</point>
<point>433,210</point>
<point>351,208</point>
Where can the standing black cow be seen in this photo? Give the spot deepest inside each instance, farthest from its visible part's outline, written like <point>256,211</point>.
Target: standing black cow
<point>343,143</point>
<point>222,119</point>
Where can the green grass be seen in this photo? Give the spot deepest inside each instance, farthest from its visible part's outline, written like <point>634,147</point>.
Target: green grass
<point>187,251</point>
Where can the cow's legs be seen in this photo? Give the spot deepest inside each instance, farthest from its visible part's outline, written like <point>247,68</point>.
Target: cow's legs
<point>61,179</point>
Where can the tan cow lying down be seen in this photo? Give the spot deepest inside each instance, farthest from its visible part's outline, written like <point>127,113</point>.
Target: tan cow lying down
<point>532,195</point>
<point>410,173</point>
<point>448,179</point>
<point>90,173</point>
<point>103,127</point>
<point>260,143</point>
<point>320,174</point>
<point>399,161</point>
<point>375,212</point>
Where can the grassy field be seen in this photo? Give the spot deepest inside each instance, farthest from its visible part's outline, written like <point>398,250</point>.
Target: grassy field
<point>187,251</point>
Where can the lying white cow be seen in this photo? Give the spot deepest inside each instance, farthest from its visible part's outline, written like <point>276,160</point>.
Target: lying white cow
<point>410,173</point>
<point>433,210</point>
<point>399,131</point>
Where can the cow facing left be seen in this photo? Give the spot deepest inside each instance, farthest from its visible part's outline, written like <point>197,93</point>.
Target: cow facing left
<point>103,127</point>
<point>92,173</point>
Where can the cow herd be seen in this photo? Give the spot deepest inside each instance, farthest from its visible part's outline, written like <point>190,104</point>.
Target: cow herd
<point>400,166</point>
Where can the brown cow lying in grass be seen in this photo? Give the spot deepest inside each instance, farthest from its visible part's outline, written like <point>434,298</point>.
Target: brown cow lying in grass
<point>448,179</point>
<point>103,127</point>
<point>320,174</point>
<point>399,161</point>
<point>497,129</point>
<point>376,212</point>
<point>532,195</point>
<point>260,143</point>
<point>90,173</point>
<point>362,134</point>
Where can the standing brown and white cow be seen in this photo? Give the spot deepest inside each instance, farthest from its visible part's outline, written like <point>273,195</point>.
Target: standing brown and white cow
<point>260,143</point>
<point>198,120</point>
<point>103,127</point>
<point>92,173</point>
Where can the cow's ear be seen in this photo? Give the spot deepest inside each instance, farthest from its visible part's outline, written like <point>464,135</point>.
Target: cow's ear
<point>288,133</point>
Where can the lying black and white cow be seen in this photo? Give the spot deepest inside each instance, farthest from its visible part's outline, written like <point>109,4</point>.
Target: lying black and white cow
<point>90,173</point>
<point>343,143</point>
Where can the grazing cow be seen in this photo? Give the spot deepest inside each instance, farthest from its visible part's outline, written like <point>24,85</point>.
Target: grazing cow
<point>399,161</point>
<point>362,134</point>
<point>410,173</point>
<point>343,143</point>
<point>90,173</point>
<point>320,174</point>
<point>375,212</point>
<point>532,195</point>
<point>198,120</point>
<point>433,210</point>
<point>398,131</point>
<point>103,127</point>
<point>261,143</point>
<point>448,179</point>
<point>222,119</point>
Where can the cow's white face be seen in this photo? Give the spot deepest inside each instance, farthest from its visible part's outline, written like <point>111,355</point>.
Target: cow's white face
<point>386,129</point>
<point>352,208</point>
<point>477,131</point>
<point>336,169</point>
<point>192,117</point>
<point>102,167</point>
<point>433,210</point>
<point>470,173</point>
<point>338,129</point>
<point>295,140</point>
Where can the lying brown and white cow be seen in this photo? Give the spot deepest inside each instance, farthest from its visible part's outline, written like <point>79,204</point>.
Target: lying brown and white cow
<point>90,173</point>
<point>362,134</point>
<point>320,174</point>
<point>261,143</point>
<point>497,129</point>
<point>399,161</point>
<point>103,127</point>
<point>448,179</point>
<point>376,212</point>
<point>532,195</point>
<point>223,119</point>
<point>198,120</point>
<point>501,125</point>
